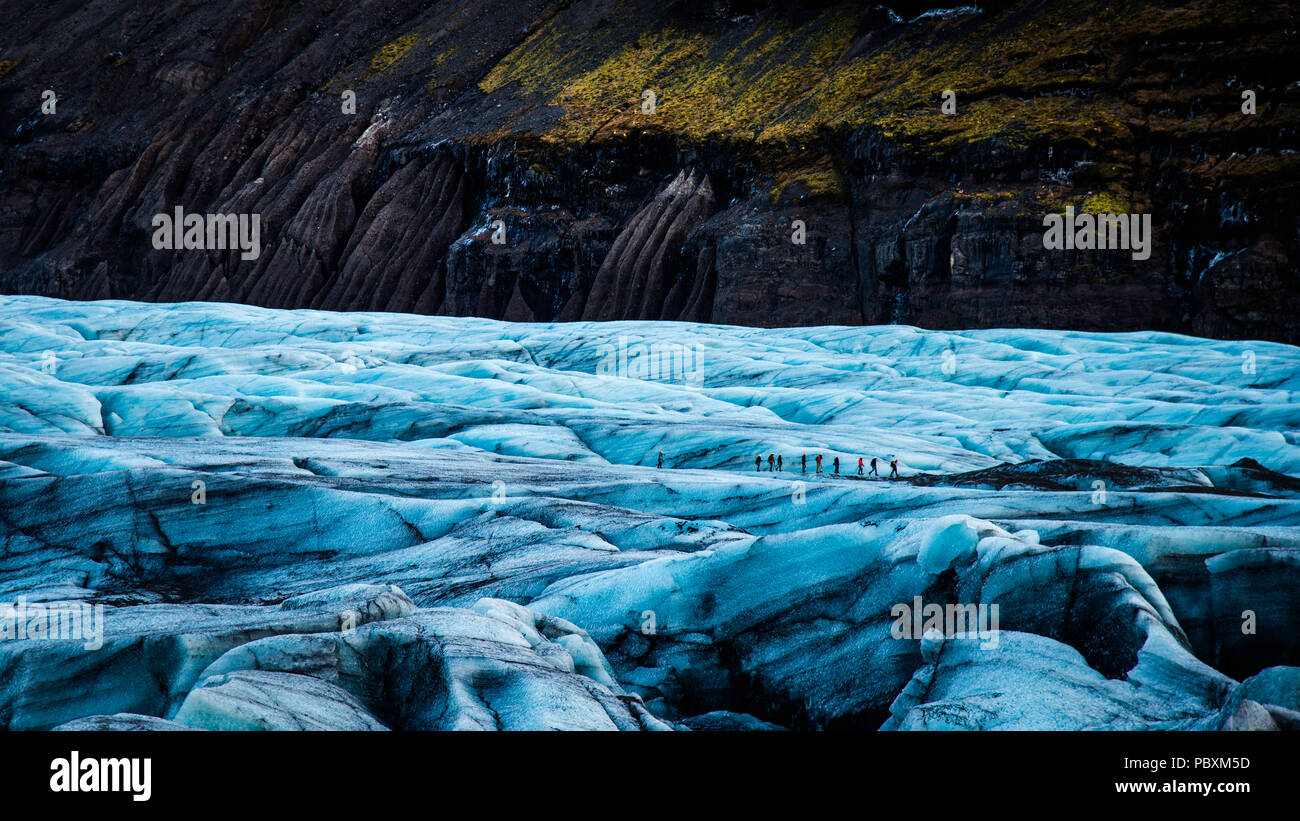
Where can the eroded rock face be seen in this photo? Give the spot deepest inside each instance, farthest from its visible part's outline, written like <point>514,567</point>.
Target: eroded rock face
<point>638,278</point>
<point>764,117</point>
<point>762,274</point>
<point>304,519</point>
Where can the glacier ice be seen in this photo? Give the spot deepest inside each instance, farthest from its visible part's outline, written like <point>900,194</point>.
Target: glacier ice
<point>303,519</point>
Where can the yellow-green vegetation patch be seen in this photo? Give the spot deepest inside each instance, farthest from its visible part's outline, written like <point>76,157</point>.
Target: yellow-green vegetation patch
<point>986,197</point>
<point>706,82</point>
<point>1014,82</point>
<point>781,82</point>
<point>1262,164</point>
<point>437,61</point>
<point>325,89</point>
<point>1104,202</point>
<point>819,180</point>
<point>388,55</point>
<point>7,66</point>
<point>1244,174</point>
<point>1025,76</point>
<point>540,63</point>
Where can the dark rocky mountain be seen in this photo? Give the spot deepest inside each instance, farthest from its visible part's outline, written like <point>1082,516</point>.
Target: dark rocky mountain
<point>532,113</point>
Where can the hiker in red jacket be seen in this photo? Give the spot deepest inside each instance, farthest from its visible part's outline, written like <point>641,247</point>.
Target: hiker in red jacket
<point>819,463</point>
<point>859,465</point>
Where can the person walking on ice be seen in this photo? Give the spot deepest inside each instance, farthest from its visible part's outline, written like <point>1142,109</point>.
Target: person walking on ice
<point>819,463</point>
<point>837,465</point>
<point>758,463</point>
<point>771,462</point>
<point>873,468</point>
<point>859,465</point>
<point>779,469</point>
<point>893,468</point>
<point>805,463</point>
<point>661,458</point>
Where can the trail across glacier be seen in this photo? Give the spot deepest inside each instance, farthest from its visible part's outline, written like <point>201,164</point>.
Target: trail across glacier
<point>1123,498</point>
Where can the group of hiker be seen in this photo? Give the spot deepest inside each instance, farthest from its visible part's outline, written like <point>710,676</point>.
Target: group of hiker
<point>777,462</point>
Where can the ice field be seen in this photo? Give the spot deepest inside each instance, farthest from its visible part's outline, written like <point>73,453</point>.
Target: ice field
<point>369,521</point>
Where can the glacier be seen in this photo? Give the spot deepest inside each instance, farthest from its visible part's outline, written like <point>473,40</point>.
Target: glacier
<point>301,519</point>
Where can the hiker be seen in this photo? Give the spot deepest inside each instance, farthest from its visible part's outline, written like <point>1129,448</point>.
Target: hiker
<point>779,469</point>
<point>837,464</point>
<point>805,463</point>
<point>873,468</point>
<point>893,468</point>
<point>819,463</point>
<point>758,463</point>
<point>859,465</point>
<point>771,462</point>
<point>661,458</point>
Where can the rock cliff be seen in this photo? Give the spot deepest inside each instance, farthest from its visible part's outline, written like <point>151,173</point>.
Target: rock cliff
<point>534,117</point>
